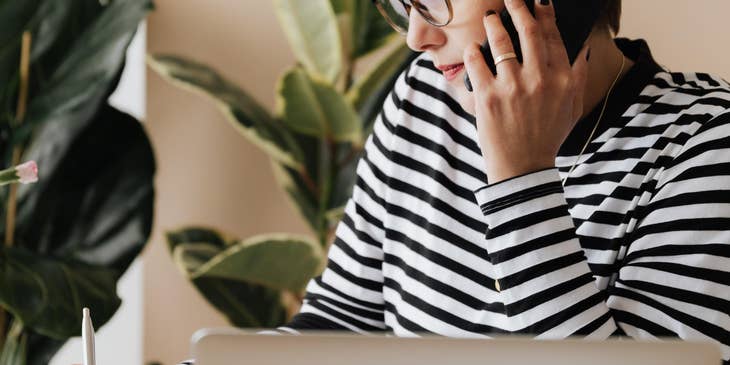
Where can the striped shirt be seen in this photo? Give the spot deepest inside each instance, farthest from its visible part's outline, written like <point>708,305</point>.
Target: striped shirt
<point>637,243</point>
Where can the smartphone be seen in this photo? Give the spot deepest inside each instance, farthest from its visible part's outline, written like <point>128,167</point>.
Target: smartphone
<point>575,20</point>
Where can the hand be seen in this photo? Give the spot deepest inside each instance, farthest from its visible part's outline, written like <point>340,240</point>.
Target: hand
<point>526,111</point>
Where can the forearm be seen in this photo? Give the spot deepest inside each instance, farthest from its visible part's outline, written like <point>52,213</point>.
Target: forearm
<point>544,279</point>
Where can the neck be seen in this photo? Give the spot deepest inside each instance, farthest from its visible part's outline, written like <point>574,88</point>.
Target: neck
<point>603,67</point>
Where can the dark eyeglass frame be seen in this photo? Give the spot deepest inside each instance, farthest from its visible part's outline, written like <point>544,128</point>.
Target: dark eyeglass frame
<point>420,8</point>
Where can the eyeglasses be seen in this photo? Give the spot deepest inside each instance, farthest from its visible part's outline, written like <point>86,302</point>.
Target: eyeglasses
<point>397,12</point>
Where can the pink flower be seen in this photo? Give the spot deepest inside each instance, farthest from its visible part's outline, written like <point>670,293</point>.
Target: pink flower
<point>27,172</point>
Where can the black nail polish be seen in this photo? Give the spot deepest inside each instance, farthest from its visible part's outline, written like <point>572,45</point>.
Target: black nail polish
<point>544,2</point>
<point>588,55</point>
<point>490,12</point>
<point>467,83</point>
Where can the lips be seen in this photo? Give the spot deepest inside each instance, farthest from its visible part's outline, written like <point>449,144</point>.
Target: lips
<point>451,71</point>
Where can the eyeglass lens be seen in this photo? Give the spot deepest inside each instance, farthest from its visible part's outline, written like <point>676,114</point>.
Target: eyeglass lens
<point>435,12</point>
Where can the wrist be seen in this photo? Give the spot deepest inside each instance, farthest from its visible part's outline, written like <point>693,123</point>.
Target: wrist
<point>498,172</point>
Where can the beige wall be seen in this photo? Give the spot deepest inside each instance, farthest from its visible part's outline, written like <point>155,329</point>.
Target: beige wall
<point>684,35</point>
<point>208,174</point>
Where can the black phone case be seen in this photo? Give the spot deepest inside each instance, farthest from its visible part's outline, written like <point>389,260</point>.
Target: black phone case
<point>575,20</point>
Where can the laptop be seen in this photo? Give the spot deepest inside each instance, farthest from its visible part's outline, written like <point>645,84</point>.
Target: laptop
<point>233,346</point>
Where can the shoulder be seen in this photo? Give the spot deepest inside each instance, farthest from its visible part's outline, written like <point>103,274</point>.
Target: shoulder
<point>688,94</point>
<point>697,105</point>
<point>693,81</point>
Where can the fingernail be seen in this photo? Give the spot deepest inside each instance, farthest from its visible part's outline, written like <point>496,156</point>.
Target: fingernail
<point>489,12</point>
<point>588,55</point>
<point>544,2</point>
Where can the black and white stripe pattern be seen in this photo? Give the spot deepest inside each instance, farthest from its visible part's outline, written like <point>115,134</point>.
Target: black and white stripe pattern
<point>637,243</point>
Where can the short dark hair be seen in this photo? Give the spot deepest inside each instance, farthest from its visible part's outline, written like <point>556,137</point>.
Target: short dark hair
<point>611,16</point>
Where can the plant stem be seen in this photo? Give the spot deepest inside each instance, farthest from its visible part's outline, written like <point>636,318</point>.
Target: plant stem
<point>12,195</point>
<point>349,77</point>
<point>17,151</point>
<point>326,181</point>
<point>309,182</point>
<point>354,151</point>
<point>12,205</point>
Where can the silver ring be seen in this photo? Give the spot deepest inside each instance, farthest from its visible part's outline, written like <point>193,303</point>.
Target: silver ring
<point>504,57</point>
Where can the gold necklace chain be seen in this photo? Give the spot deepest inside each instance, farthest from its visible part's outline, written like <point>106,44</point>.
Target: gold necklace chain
<point>603,110</point>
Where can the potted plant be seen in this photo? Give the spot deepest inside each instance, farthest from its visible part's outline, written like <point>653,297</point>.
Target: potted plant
<point>315,136</point>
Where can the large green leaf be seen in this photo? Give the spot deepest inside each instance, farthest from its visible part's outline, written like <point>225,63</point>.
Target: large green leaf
<point>190,256</point>
<point>244,112</point>
<point>56,26</point>
<point>372,30</point>
<point>344,24</point>
<point>205,235</point>
<point>362,25</point>
<point>370,92</point>
<point>94,200</point>
<point>276,261</point>
<point>303,200</point>
<point>344,178</point>
<point>78,228</point>
<point>378,76</point>
<point>192,247</point>
<point>314,108</point>
<point>79,85</point>
<point>244,304</point>
<point>313,33</point>
<point>81,225</point>
<point>14,19</point>
<point>43,348</point>
<point>47,294</point>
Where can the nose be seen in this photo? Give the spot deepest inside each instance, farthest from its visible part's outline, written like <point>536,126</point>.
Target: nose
<point>423,36</point>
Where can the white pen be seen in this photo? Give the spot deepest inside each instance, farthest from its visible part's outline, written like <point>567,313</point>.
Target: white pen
<point>87,337</point>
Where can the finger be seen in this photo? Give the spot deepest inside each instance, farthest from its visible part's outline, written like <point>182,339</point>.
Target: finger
<point>479,74</point>
<point>531,38</point>
<point>556,52</point>
<point>500,44</point>
<point>580,79</point>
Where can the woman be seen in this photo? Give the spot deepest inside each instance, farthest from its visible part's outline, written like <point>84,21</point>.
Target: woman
<point>556,200</point>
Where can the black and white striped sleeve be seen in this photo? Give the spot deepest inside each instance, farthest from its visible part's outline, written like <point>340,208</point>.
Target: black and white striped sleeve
<point>675,277</point>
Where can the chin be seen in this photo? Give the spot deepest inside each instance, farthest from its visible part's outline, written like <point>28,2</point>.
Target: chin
<point>458,91</point>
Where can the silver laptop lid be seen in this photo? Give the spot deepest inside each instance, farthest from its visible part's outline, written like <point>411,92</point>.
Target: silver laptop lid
<point>232,346</point>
